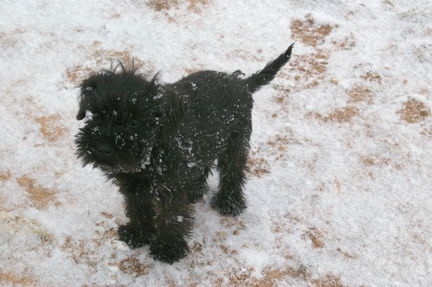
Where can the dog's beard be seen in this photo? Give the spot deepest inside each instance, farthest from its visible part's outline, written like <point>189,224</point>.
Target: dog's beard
<point>123,166</point>
<point>128,154</point>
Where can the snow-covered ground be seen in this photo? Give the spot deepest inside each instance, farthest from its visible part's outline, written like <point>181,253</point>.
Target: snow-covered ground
<point>340,189</point>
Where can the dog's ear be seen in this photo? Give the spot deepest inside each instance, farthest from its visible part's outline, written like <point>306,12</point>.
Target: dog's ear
<point>80,115</point>
<point>87,87</point>
<point>83,103</point>
<point>171,111</point>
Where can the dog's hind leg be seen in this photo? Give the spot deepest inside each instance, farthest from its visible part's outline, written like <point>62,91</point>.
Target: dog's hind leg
<point>232,165</point>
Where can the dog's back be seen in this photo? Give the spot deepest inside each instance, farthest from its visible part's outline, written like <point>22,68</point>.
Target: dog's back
<point>219,104</point>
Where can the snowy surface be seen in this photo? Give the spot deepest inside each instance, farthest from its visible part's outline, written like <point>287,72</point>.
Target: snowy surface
<point>340,189</point>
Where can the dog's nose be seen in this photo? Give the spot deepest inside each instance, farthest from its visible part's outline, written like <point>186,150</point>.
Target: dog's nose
<point>104,149</point>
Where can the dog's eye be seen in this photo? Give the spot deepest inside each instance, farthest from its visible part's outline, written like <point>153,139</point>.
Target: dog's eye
<point>134,123</point>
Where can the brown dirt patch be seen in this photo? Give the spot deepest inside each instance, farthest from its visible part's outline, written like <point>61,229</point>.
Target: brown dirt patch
<point>327,281</point>
<point>316,237</point>
<point>427,132</point>
<point>160,5</point>
<point>308,32</point>
<point>414,111</point>
<point>15,280</point>
<point>346,254</point>
<point>375,160</point>
<point>83,251</point>
<point>193,5</point>
<point>75,76</point>
<point>50,128</point>
<point>133,267</point>
<point>272,277</point>
<point>258,165</point>
<point>360,94</point>
<point>280,143</point>
<point>372,77</point>
<point>4,176</point>
<point>309,69</point>
<point>39,195</point>
<point>345,44</point>
<point>342,115</point>
<point>79,251</point>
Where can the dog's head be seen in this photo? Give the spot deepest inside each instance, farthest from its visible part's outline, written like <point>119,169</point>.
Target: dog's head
<point>125,116</point>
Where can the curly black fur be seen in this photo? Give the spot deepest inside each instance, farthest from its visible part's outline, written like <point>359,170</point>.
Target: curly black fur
<point>158,143</point>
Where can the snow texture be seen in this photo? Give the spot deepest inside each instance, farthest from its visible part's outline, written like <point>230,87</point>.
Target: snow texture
<point>340,188</point>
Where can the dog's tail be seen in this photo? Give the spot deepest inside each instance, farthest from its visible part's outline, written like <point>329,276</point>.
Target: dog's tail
<point>266,75</point>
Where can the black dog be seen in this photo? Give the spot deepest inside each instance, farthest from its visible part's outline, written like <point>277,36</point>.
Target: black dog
<point>159,142</point>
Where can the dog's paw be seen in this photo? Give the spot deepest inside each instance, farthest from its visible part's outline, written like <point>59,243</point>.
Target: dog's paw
<point>132,238</point>
<point>228,207</point>
<point>169,252</point>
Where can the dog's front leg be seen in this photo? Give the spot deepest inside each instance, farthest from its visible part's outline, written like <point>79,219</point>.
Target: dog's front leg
<point>139,209</point>
<point>173,222</point>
